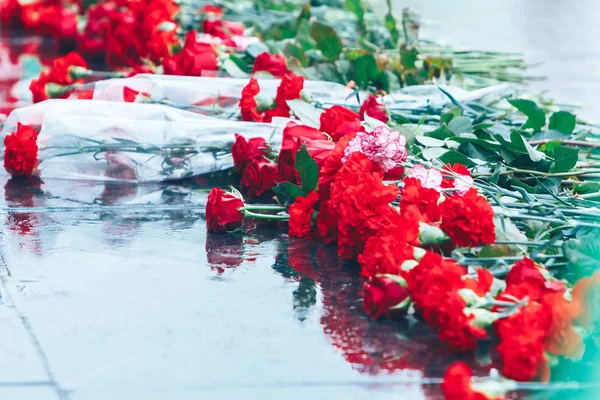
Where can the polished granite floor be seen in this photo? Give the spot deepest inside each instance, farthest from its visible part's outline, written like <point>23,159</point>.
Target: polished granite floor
<point>118,292</point>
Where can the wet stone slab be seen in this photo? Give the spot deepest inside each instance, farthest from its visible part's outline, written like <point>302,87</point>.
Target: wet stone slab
<point>128,297</point>
<point>117,291</point>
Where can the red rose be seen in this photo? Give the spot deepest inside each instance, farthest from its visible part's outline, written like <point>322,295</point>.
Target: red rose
<point>222,211</point>
<point>294,135</point>
<point>259,177</point>
<point>424,199</point>
<point>457,383</point>
<point>468,219</point>
<point>243,151</point>
<point>21,151</point>
<point>383,294</point>
<point>248,102</point>
<point>373,109</point>
<point>194,59</point>
<point>338,121</point>
<point>301,215</point>
<point>274,64</point>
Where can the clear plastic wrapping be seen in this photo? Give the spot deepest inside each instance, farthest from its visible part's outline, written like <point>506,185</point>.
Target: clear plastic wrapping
<point>110,141</point>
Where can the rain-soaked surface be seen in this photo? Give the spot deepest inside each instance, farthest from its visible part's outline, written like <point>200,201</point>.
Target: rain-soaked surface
<point>117,292</point>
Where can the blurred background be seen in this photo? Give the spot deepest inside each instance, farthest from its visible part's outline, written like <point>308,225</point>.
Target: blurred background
<point>560,35</point>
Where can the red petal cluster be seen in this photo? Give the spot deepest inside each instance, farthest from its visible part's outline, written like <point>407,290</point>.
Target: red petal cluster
<point>468,219</point>
<point>21,151</point>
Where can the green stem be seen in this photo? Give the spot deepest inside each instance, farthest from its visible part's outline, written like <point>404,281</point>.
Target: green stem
<point>249,207</point>
<point>266,216</point>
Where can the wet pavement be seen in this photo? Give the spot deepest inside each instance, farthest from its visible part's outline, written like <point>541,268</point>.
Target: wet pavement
<point>118,292</point>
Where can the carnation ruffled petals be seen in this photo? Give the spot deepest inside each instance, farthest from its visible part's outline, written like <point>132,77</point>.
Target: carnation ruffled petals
<point>383,146</point>
<point>468,219</point>
<point>21,151</point>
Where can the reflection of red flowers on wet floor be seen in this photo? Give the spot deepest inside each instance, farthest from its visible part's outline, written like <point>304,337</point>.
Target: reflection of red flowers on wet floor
<point>23,193</point>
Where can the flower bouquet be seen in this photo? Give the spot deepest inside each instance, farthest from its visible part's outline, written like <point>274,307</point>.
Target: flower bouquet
<point>96,140</point>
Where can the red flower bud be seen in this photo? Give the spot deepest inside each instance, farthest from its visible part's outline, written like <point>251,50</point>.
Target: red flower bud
<point>222,211</point>
<point>243,151</point>
<point>339,121</point>
<point>259,177</point>
<point>271,63</point>
<point>373,109</point>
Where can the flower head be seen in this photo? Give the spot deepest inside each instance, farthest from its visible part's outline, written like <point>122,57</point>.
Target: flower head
<point>222,211</point>
<point>382,146</point>
<point>301,215</point>
<point>21,151</point>
<point>468,219</point>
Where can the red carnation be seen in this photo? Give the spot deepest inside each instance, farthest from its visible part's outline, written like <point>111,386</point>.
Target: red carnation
<point>424,199</point>
<point>289,89</point>
<point>373,109</point>
<point>384,295</point>
<point>338,121</point>
<point>222,211</point>
<point>457,383</point>
<point>301,215</point>
<point>243,151</point>
<point>468,219</point>
<point>258,177</point>
<point>248,104</point>
<point>21,151</point>
<point>361,202</point>
<point>450,171</point>
<point>385,252</point>
<point>294,135</point>
<point>332,164</point>
<point>274,64</point>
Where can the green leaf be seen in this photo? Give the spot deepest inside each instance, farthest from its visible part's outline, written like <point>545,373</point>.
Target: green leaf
<point>441,133</point>
<point>429,141</point>
<point>255,49</point>
<point>536,118</point>
<point>327,40</point>
<point>583,253</point>
<point>586,187</point>
<point>356,7</point>
<point>306,113</point>
<point>454,157</point>
<point>234,70</point>
<point>307,169</point>
<point>287,192</point>
<point>460,125</point>
<point>565,159</point>
<point>365,70</point>
<point>294,50</point>
<point>563,121</point>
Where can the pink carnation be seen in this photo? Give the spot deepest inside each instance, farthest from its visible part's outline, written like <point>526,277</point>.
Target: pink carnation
<point>382,146</point>
<point>430,178</point>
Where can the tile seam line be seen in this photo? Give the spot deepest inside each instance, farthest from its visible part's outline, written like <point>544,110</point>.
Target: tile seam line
<point>61,393</point>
